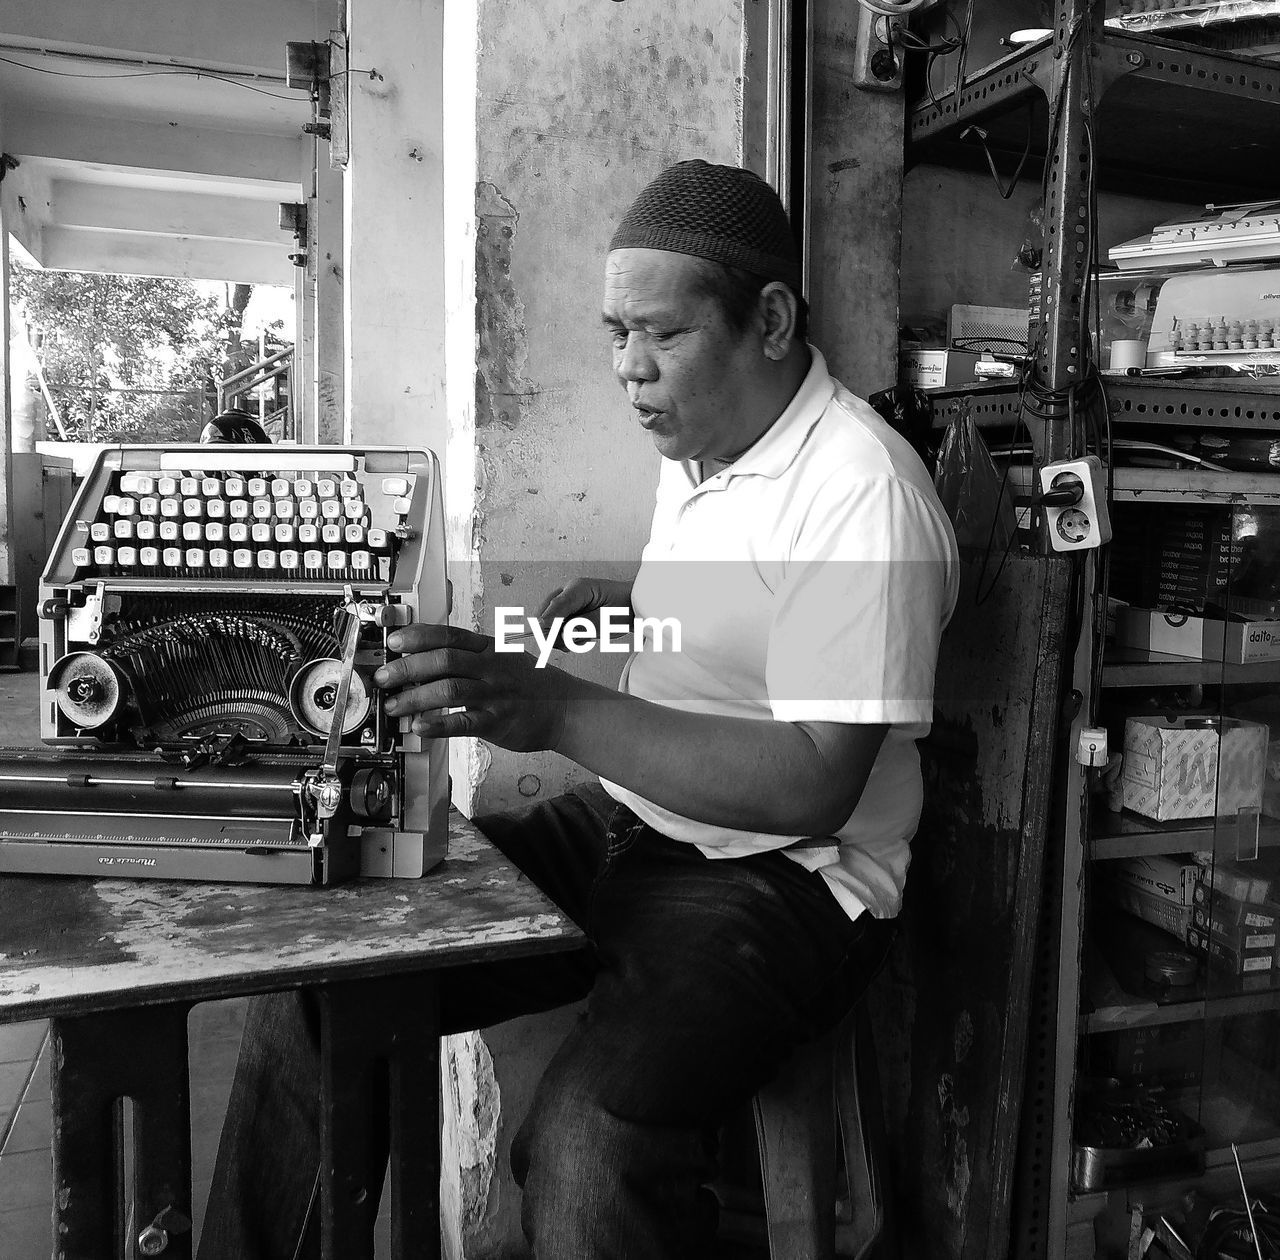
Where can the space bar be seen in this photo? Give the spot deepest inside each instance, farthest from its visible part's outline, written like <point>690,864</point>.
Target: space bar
<point>165,829</point>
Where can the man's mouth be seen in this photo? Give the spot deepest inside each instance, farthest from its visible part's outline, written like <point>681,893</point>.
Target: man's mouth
<point>648,417</point>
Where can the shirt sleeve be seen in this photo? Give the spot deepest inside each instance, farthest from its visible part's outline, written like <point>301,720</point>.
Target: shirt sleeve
<point>864,596</point>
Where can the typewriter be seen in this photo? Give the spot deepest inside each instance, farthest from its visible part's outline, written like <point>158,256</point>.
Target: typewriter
<point>210,621</point>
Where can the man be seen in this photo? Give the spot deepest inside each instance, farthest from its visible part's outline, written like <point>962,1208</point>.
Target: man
<point>738,868</point>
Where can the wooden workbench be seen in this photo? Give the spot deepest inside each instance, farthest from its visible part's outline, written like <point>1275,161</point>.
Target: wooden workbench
<point>117,964</point>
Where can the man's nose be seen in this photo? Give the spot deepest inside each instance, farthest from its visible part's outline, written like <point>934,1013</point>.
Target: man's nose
<point>635,363</point>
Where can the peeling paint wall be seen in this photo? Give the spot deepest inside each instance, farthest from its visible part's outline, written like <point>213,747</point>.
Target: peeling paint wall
<point>579,104</point>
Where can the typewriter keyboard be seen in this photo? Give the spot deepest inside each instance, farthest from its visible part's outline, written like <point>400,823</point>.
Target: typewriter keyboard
<point>230,526</point>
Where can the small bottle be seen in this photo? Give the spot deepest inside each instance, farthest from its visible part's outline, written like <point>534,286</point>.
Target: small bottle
<point>1220,334</point>
<point>1235,335</point>
<point>1266,334</point>
<point>1250,334</point>
<point>1206,336</point>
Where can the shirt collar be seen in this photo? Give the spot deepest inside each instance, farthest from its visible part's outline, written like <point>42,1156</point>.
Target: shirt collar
<point>776,448</point>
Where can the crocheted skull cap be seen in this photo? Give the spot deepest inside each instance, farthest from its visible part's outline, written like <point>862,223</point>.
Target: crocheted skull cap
<point>722,213</point>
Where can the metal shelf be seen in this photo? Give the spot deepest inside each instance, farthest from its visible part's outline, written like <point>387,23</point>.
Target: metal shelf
<point>1176,122</point>
<point>1125,667</point>
<point>1147,1014</point>
<point>1217,403</point>
<point>1130,835</point>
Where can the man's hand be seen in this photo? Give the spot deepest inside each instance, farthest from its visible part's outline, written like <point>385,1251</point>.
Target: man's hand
<point>502,696</point>
<point>582,596</point>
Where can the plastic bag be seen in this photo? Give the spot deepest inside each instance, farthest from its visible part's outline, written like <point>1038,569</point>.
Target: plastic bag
<point>974,494</point>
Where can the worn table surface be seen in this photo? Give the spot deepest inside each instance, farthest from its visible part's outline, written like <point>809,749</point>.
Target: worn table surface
<point>71,945</point>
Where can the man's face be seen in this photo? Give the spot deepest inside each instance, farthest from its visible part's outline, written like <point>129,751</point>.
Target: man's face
<point>688,374</point>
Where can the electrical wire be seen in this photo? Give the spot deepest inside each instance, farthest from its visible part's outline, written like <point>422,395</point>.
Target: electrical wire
<point>176,71</point>
<point>892,8</point>
<point>1005,191</point>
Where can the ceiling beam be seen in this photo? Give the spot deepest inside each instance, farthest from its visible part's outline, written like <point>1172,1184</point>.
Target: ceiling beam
<point>164,213</point>
<point>135,254</point>
<point>27,195</point>
<point>167,147</point>
<point>231,35</point>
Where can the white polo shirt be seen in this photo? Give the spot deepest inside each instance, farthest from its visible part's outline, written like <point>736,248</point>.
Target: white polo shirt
<point>811,580</point>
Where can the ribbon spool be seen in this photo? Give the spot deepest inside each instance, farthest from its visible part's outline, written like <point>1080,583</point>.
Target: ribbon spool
<point>88,690</point>
<point>314,693</point>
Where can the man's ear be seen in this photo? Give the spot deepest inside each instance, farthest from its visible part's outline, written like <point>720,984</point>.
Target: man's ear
<point>779,310</point>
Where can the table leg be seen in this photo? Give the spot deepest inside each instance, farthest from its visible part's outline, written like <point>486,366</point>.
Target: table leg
<point>379,1087</point>
<point>99,1061</point>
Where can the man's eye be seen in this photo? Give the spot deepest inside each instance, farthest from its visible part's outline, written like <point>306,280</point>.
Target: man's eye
<point>619,338</point>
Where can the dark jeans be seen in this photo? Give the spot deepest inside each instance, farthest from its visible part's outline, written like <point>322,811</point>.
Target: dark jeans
<point>701,978</point>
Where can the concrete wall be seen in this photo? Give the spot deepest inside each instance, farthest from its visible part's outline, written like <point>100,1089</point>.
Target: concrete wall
<point>580,103</point>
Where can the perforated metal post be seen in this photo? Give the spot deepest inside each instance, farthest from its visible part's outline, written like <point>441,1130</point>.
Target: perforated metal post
<point>1060,362</point>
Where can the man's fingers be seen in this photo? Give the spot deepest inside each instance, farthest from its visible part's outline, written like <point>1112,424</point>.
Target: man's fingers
<point>442,693</point>
<point>422,637</point>
<point>446,725</point>
<point>550,605</point>
<point>421,667</point>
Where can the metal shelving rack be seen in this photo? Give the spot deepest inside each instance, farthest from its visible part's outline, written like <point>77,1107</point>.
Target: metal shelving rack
<point>1172,122</point>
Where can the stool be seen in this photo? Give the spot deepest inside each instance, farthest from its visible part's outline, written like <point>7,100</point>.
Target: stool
<point>829,1081</point>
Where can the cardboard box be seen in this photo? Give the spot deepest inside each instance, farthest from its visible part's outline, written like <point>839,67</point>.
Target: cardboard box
<point>937,367</point>
<point>1235,936</point>
<point>1192,767</point>
<point>1150,907</point>
<point>1254,881</point>
<point>1235,962</point>
<point>1201,638</point>
<point>1169,879</point>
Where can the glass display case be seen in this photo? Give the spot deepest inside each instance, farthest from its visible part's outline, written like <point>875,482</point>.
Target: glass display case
<point>1178,1061</point>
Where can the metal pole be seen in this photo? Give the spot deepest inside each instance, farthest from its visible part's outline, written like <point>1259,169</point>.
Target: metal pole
<point>1060,362</point>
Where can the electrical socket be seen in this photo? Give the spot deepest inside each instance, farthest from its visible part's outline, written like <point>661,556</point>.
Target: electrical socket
<point>1084,523</point>
<point>877,62</point>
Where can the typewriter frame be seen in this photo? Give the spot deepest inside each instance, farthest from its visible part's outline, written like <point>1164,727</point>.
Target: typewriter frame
<point>374,802</point>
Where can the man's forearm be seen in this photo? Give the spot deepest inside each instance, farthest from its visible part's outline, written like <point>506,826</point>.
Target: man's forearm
<point>754,775</point>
